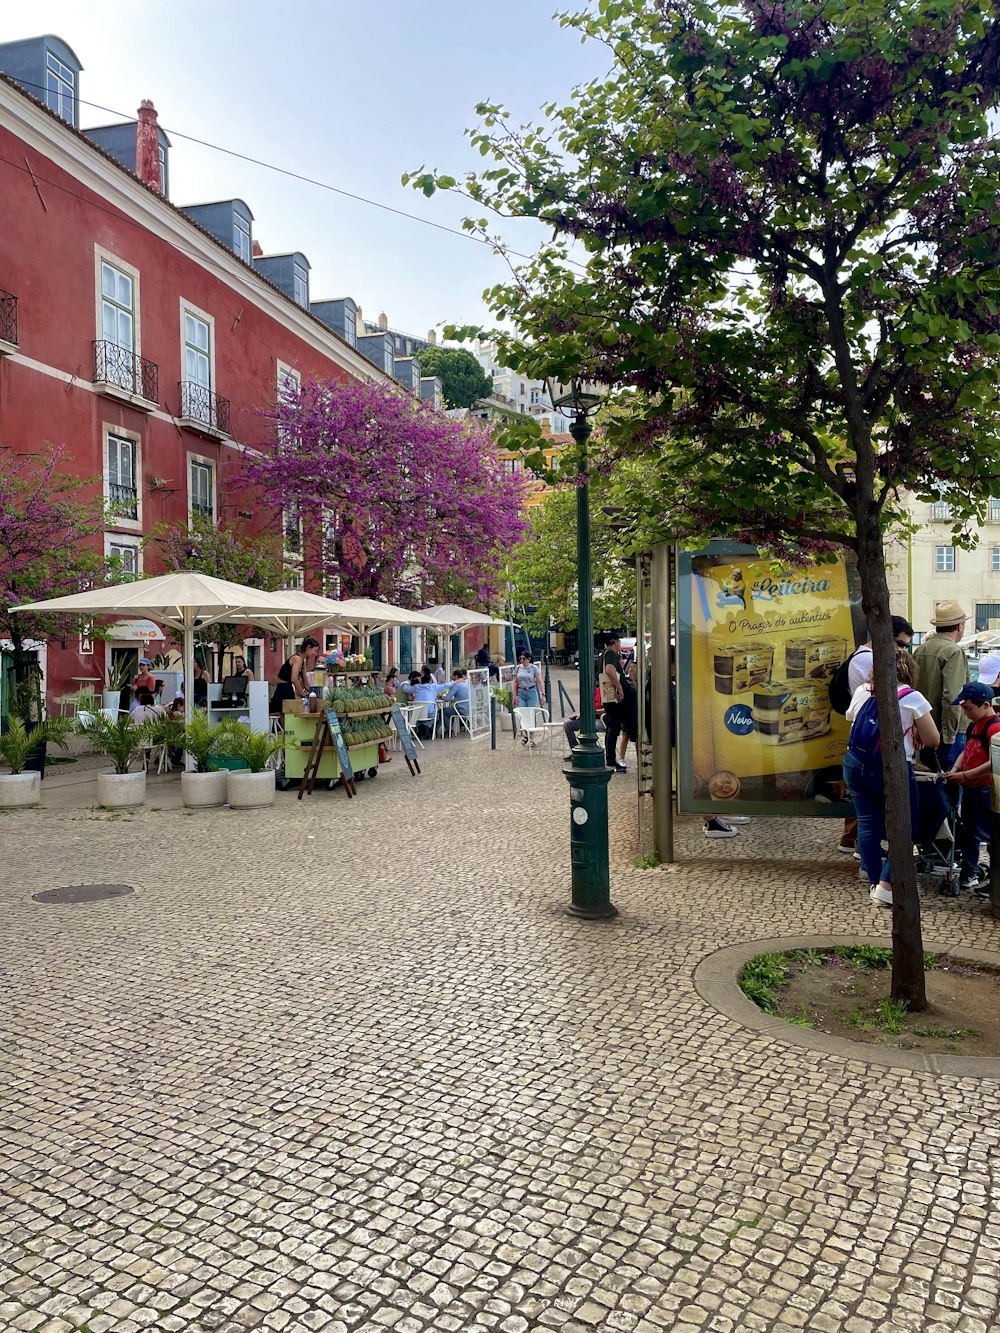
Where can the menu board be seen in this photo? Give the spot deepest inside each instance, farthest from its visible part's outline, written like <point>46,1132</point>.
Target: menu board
<point>758,643</point>
<point>337,733</point>
<point>405,739</point>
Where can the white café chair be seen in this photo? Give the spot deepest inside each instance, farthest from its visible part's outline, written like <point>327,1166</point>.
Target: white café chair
<point>412,714</point>
<point>531,723</point>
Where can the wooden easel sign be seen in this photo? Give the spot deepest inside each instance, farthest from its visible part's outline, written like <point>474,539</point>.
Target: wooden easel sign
<point>405,739</point>
<point>328,731</point>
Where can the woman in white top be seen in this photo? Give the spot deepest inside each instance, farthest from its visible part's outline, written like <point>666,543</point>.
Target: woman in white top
<point>866,783</point>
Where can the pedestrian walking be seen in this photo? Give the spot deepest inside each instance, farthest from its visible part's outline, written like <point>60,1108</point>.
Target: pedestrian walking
<point>942,670</point>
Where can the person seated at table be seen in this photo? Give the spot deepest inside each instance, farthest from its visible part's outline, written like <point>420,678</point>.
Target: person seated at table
<point>145,680</point>
<point>495,664</point>
<point>391,683</point>
<point>146,708</point>
<point>424,691</point>
<point>439,674</point>
<point>456,697</point>
<point>175,711</point>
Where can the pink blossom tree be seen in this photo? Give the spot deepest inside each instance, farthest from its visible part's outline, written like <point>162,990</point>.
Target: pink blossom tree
<point>395,500</point>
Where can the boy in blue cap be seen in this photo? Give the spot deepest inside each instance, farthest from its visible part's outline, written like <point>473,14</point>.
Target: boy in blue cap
<point>971,772</point>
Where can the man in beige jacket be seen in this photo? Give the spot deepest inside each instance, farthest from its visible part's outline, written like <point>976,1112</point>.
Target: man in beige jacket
<point>942,670</point>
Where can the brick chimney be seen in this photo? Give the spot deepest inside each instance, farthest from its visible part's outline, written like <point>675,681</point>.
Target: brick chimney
<point>258,253</point>
<point>147,146</point>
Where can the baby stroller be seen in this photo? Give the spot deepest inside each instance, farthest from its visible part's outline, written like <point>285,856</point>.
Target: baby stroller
<point>937,832</point>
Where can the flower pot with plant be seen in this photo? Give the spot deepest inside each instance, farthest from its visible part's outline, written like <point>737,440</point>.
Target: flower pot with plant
<point>253,786</point>
<point>503,697</point>
<point>124,743</point>
<point>17,744</point>
<point>119,680</point>
<point>205,786</point>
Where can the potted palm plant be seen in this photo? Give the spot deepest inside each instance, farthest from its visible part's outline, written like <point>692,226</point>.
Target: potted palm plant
<point>124,743</point>
<point>254,785</point>
<point>205,786</point>
<point>502,694</point>
<point>17,744</point>
<point>119,679</point>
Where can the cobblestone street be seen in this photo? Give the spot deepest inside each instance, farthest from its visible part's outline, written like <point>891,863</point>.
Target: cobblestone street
<point>347,1065</point>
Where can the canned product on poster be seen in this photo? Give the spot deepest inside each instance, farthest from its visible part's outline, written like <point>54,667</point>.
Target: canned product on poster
<point>787,711</point>
<point>740,666</point>
<point>815,658</point>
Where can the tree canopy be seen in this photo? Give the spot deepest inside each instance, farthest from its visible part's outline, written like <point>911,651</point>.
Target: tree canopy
<point>463,379</point>
<point>774,237</point>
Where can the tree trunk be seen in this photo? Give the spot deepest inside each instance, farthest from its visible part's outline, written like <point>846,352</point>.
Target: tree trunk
<point>907,941</point>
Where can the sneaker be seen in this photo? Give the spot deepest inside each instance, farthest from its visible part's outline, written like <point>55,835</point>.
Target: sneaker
<point>620,768</point>
<point>862,875</point>
<point>856,855</point>
<point>883,897</point>
<point>718,828</point>
<point>969,883</point>
<point>847,848</point>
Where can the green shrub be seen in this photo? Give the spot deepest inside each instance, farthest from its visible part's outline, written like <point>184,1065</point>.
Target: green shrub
<point>17,743</point>
<point>864,955</point>
<point>761,977</point>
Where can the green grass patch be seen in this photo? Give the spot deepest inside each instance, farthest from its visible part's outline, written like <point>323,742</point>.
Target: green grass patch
<point>811,957</point>
<point>761,977</point>
<point>952,1034</point>
<point>864,955</point>
<point>649,862</point>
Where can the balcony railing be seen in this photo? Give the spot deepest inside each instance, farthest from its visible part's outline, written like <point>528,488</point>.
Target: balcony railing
<point>202,510</point>
<point>124,499</point>
<point>203,407</point>
<point>123,369</point>
<point>8,318</point>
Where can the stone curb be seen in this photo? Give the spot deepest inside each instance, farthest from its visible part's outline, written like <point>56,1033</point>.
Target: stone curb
<point>715,981</point>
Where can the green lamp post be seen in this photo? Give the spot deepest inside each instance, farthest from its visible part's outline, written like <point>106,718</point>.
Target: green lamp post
<point>587,774</point>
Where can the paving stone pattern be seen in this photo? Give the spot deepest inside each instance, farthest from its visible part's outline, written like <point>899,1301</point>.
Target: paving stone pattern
<point>347,1065</point>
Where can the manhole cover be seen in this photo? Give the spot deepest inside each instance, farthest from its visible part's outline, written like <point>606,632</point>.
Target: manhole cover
<point>83,893</point>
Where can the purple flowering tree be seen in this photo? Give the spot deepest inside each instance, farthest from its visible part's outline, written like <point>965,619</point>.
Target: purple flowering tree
<point>394,499</point>
<point>50,526</point>
<point>785,233</point>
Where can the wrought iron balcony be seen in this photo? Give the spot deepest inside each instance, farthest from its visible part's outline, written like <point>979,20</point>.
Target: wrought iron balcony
<point>8,318</point>
<point>203,510</point>
<point>202,407</point>
<point>124,499</point>
<point>121,368</point>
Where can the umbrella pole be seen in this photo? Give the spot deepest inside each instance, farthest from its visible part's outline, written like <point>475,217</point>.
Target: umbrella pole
<point>188,678</point>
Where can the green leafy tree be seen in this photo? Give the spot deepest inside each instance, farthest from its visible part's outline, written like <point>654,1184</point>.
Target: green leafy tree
<point>463,379</point>
<point>783,229</point>
<point>224,553</point>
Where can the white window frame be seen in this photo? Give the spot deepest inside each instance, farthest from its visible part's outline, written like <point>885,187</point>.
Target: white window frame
<point>293,576</point>
<point>940,512</point>
<point>63,77</point>
<point>238,232</point>
<point>942,554</point>
<point>286,377</point>
<point>210,463</point>
<point>291,519</point>
<point>300,274</point>
<point>995,559</point>
<point>102,256</point>
<point>162,157</point>
<point>994,510</point>
<point>188,308</point>
<point>107,430</point>
<point>116,541</point>
<point>350,326</point>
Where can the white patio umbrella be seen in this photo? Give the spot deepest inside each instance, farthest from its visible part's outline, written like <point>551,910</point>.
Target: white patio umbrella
<point>185,600</point>
<point>456,619</point>
<point>306,611</point>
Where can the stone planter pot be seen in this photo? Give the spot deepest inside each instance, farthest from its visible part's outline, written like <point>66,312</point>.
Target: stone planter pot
<point>504,720</point>
<point>248,791</point>
<point>20,789</point>
<point>201,790</point>
<point>120,791</point>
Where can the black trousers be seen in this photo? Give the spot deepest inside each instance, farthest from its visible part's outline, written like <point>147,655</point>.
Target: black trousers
<point>614,716</point>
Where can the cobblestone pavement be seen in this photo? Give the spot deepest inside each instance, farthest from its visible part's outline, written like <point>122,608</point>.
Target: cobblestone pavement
<point>347,1065</point>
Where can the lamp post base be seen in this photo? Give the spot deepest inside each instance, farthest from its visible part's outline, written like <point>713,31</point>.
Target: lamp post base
<point>588,779</point>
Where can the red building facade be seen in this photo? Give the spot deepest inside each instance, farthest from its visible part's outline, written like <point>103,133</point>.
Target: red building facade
<point>143,345</point>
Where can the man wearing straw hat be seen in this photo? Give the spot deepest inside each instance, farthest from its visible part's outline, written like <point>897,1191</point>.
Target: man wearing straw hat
<point>942,670</point>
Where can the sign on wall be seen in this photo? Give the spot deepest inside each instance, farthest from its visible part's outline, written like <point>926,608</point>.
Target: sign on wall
<point>758,642</point>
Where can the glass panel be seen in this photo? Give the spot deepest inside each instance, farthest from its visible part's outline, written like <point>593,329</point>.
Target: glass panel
<point>107,280</point>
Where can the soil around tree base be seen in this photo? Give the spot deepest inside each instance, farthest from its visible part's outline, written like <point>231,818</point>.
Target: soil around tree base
<point>716,981</point>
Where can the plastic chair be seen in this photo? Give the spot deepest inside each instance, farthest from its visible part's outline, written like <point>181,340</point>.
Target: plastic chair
<point>532,726</point>
<point>412,714</point>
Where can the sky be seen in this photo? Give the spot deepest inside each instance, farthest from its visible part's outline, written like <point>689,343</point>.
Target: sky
<point>350,94</point>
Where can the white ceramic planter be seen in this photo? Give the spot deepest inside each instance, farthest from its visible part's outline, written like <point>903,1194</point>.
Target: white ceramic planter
<point>20,789</point>
<point>201,790</point>
<point>119,791</point>
<point>504,722</point>
<point>249,790</point>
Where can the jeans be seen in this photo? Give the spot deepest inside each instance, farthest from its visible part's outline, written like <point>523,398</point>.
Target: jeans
<point>572,729</point>
<point>527,697</point>
<point>975,828</point>
<point>867,787</point>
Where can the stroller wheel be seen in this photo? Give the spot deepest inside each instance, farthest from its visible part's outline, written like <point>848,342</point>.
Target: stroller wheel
<point>948,888</point>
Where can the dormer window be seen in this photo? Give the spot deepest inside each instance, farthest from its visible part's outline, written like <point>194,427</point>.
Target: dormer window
<point>60,87</point>
<point>300,285</point>
<point>241,236</point>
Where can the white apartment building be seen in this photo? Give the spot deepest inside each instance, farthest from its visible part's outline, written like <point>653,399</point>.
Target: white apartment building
<point>930,568</point>
<point>517,393</point>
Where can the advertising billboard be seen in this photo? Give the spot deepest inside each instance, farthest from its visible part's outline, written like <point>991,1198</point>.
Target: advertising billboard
<point>758,642</point>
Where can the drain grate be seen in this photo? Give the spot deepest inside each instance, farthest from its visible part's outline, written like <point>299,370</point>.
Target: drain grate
<point>83,893</point>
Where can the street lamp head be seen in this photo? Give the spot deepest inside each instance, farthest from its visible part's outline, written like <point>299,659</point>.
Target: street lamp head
<point>579,396</point>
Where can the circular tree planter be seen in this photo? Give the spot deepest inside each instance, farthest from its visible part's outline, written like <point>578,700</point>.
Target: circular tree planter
<point>249,791</point>
<point>199,791</point>
<point>18,789</point>
<point>121,791</point>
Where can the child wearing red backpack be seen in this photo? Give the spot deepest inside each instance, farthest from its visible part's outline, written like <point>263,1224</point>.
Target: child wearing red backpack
<point>972,773</point>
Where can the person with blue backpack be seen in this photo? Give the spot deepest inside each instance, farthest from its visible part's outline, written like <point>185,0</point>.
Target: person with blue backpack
<point>863,767</point>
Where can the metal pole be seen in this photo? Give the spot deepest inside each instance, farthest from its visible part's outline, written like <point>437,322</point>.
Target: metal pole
<point>663,803</point>
<point>586,772</point>
<point>548,682</point>
<point>189,763</point>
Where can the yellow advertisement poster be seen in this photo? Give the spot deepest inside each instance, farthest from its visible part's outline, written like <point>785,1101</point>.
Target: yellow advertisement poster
<point>758,646</point>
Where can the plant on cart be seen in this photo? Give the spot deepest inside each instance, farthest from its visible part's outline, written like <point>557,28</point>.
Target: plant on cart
<point>255,748</point>
<point>120,739</point>
<point>18,743</point>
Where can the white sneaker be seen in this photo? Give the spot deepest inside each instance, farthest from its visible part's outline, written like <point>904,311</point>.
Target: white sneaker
<point>862,875</point>
<point>856,855</point>
<point>718,828</point>
<point>846,847</point>
<point>883,897</point>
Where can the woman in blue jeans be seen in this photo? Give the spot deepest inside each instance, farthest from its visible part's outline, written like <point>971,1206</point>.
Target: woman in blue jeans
<point>866,782</point>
